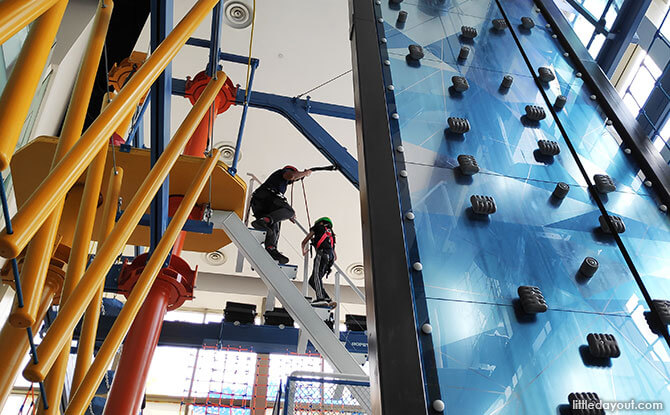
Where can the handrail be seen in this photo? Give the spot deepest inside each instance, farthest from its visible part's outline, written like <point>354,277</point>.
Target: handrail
<point>17,14</point>
<point>24,79</point>
<point>71,312</point>
<point>82,397</point>
<point>44,199</point>
<point>358,292</point>
<point>321,375</point>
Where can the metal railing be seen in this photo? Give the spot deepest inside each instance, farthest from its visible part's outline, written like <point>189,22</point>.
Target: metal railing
<point>326,393</point>
<point>339,274</point>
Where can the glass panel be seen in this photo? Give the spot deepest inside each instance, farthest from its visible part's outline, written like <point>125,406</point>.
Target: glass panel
<point>491,356</point>
<point>185,316</point>
<point>596,45</point>
<point>512,364</point>
<point>632,105</point>
<point>642,85</point>
<point>167,378</point>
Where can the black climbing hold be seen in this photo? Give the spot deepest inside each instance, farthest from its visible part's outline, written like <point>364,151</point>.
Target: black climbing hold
<point>507,81</point>
<point>463,54</point>
<point>483,205</point>
<point>546,74</point>
<point>468,164</point>
<point>604,183</point>
<point>589,267</point>
<point>458,125</point>
<point>395,1</point>
<point>527,23</point>
<point>561,190</point>
<point>548,147</point>
<point>468,32</point>
<point>532,300</point>
<point>617,222</point>
<point>603,345</point>
<point>663,309</point>
<point>560,102</point>
<point>459,83</point>
<point>402,16</point>
<point>584,403</point>
<point>499,24</point>
<point>535,112</point>
<point>415,52</point>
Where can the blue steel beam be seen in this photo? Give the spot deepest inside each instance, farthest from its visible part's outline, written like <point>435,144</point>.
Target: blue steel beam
<point>261,339</point>
<point>621,35</point>
<point>161,94</point>
<point>297,112</point>
<point>243,118</point>
<point>136,134</point>
<point>230,57</point>
<point>579,8</point>
<point>214,45</point>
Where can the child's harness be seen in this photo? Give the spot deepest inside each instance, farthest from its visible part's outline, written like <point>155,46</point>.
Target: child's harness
<point>327,234</point>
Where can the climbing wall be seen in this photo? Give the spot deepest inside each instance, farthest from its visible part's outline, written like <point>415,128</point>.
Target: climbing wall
<point>493,357</point>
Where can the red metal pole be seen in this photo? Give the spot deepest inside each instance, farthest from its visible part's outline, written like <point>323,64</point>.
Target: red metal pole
<point>130,378</point>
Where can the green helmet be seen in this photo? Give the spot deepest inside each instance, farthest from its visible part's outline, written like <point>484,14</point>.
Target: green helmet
<point>325,219</point>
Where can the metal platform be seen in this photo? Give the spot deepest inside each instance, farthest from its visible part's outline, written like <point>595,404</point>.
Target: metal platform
<point>31,163</point>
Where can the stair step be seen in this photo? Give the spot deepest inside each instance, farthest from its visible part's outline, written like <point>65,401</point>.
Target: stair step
<point>287,293</point>
<point>291,271</point>
<point>259,235</point>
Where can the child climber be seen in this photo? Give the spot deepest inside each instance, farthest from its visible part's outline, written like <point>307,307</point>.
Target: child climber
<point>323,240</point>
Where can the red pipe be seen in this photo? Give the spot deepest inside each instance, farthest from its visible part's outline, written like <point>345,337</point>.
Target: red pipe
<point>196,146</point>
<point>125,396</point>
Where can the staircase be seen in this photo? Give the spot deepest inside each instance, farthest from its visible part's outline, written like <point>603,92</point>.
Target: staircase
<point>325,341</point>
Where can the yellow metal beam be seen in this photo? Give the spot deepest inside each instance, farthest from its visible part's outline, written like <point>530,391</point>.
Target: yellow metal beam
<point>75,269</point>
<point>40,248</point>
<point>89,327</point>
<point>72,310</point>
<point>14,341</point>
<point>17,14</point>
<point>22,83</point>
<point>34,212</point>
<point>82,397</point>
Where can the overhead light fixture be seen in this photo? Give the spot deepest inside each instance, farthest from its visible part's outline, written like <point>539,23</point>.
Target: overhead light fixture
<point>238,13</point>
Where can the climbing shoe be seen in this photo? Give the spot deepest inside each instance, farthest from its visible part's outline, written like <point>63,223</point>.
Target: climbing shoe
<point>262,224</point>
<point>277,256</point>
<point>325,303</point>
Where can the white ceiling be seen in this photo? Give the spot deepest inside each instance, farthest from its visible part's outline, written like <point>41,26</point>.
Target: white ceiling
<point>300,44</point>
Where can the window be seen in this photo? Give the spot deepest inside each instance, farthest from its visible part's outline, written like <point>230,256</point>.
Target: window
<point>591,20</point>
<point>647,80</point>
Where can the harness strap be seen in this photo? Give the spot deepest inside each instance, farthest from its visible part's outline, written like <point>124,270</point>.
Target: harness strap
<point>327,234</point>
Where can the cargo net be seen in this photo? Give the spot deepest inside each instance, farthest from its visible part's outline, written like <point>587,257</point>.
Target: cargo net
<point>311,395</point>
<point>222,382</point>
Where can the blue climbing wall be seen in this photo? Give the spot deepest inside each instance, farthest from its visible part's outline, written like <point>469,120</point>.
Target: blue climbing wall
<point>491,357</point>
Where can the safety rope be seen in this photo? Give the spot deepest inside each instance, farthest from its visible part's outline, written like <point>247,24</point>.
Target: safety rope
<point>251,42</point>
<point>109,99</point>
<point>324,83</point>
<point>19,291</point>
<point>304,195</point>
